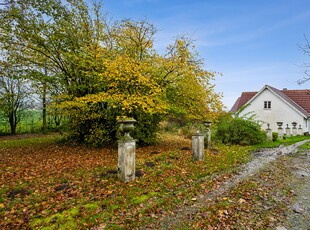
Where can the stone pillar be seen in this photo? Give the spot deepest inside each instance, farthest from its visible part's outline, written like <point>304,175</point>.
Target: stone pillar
<point>287,131</point>
<point>294,129</point>
<point>198,147</point>
<point>280,132</point>
<point>209,138</point>
<point>208,134</point>
<point>300,131</point>
<point>269,132</point>
<point>280,129</point>
<point>126,151</point>
<point>126,160</point>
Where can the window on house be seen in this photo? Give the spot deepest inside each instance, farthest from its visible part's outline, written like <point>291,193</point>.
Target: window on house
<point>267,104</point>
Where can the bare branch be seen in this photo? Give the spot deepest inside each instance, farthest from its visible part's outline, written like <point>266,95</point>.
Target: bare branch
<point>306,50</point>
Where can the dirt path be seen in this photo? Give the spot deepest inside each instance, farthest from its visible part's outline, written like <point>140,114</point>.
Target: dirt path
<point>298,213</point>
<point>288,159</point>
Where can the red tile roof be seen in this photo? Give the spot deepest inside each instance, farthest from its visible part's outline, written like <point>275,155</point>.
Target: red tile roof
<point>241,101</point>
<point>300,99</point>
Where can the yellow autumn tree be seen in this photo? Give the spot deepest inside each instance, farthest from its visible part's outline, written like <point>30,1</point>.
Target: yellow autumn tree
<point>109,70</point>
<point>190,93</point>
<point>127,84</point>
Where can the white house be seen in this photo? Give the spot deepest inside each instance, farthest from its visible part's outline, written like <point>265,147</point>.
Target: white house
<point>271,105</point>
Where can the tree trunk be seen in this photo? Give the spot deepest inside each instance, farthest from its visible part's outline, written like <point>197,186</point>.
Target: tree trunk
<point>57,120</point>
<point>44,125</point>
<point>12,120</point>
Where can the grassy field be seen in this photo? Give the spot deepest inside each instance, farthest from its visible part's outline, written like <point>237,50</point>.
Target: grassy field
<point>30,122</point>
<point>47,185</point>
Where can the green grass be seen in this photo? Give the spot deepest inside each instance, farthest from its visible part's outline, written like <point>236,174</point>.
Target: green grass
<point>30,122</point>
<point>286,141</point>
<point>64,220</point>
<point>29,142</point>
<point>305,146</point>
<point>143,198</point>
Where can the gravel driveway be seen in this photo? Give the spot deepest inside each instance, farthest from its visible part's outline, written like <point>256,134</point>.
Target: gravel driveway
<point>288,157</point>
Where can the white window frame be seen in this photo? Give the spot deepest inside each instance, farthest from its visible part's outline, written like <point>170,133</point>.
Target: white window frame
<point>267,105</point>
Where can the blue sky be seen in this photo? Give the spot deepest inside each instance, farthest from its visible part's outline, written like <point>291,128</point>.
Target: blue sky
<point>251,43</point>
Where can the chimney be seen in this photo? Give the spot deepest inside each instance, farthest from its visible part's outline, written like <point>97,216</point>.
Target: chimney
<point>284,89</point>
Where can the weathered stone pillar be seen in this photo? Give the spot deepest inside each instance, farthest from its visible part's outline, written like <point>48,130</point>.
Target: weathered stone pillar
<point>287,131</point>
<point>300,130</point>
<point>126,160</point>
<point>294,129</point>
<point>127,152</point>
<point>207,143</point>
<point>269,132</point>
<point>280,130</point>
<point>209,138</point>
<point>198,147</point>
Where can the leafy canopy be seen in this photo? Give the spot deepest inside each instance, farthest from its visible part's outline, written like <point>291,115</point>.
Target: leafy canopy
<point>108,69</point>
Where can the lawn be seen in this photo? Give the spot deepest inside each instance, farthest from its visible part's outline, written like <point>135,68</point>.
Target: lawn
<point>45,184</point>
<point>285,141</point>
<point>31,121</point>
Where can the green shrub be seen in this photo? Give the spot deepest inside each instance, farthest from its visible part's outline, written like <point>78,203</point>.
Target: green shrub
<point>275,136</point>
<point>93,126</point>
<point>239,131</point>
<point>97,127</point>
<point>146,129</point>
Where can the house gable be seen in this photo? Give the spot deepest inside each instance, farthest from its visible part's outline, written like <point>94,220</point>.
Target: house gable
<point>298,100</point>
<point>271,105</point>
